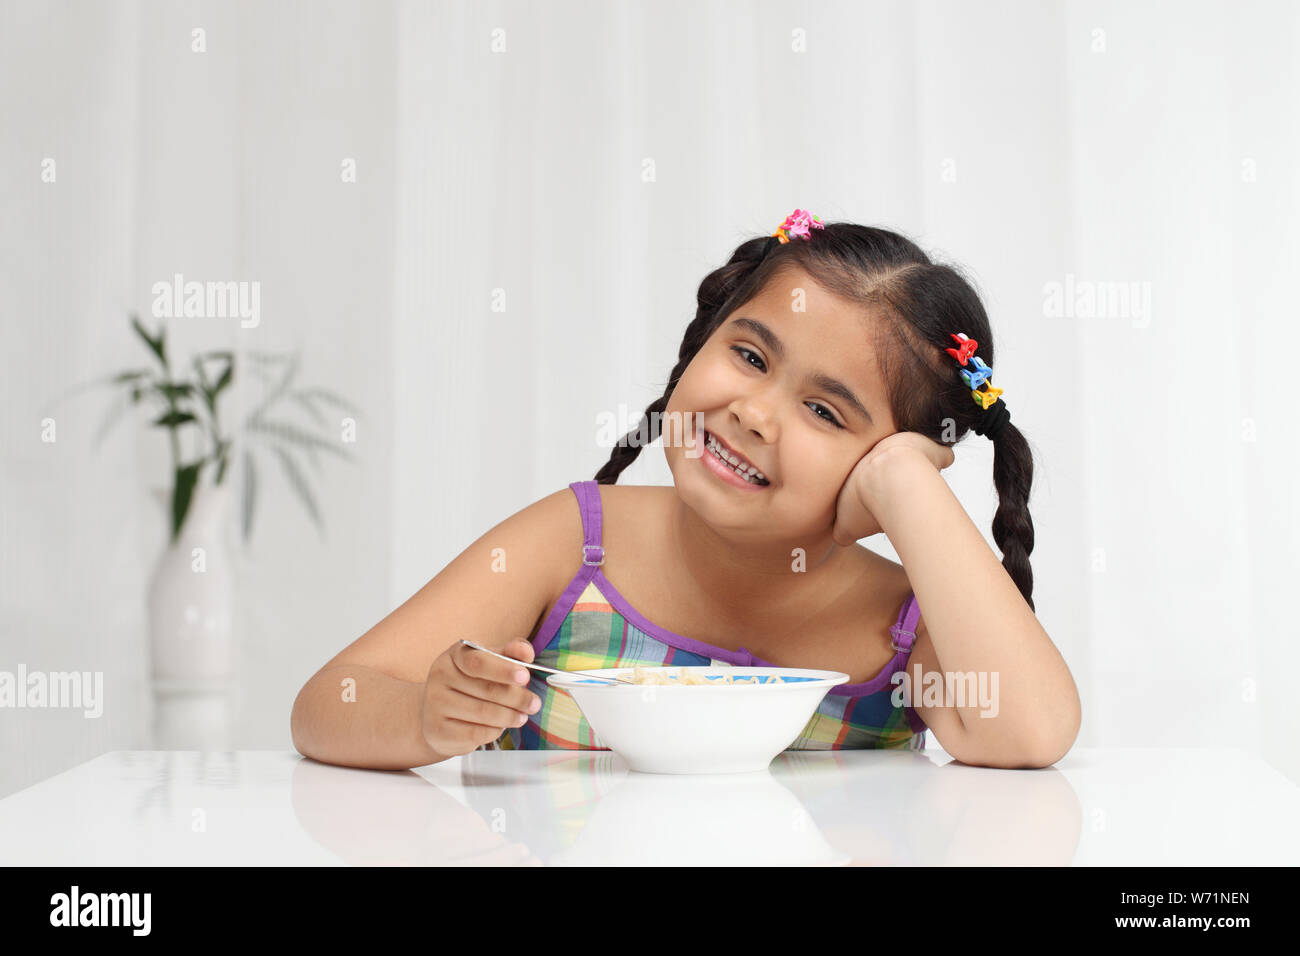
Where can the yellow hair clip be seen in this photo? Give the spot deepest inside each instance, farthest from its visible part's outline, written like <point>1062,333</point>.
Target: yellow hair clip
<point>986,398</point>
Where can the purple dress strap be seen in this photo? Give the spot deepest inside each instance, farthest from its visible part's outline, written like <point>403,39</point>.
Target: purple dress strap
<point>588,492</point>
<point>904,632</point>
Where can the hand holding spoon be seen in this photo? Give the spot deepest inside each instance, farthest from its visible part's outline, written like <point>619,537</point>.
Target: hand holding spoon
<point>549,670</point>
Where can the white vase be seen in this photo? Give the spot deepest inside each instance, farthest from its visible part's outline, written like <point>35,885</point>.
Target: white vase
<point>190,596</point>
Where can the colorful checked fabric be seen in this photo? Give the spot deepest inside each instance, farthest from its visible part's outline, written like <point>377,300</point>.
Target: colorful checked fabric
<point>592,626</point>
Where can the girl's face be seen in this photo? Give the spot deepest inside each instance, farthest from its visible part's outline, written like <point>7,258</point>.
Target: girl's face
<point>795,393</point>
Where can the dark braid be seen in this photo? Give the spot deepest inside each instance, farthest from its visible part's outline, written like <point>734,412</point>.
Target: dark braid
<point>918,303</point>
<point>1013,529</point>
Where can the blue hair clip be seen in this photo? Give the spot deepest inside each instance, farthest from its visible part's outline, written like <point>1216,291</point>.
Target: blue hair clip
<point>980,375</point>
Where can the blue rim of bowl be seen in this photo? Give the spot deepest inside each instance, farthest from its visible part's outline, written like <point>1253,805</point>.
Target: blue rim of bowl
<point>822,678</point>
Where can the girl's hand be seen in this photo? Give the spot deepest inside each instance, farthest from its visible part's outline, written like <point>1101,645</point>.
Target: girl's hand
<point>853,519</point>
<point>471,697</point>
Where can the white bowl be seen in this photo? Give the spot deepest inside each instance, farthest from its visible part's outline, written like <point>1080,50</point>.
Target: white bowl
<point>690,728</point>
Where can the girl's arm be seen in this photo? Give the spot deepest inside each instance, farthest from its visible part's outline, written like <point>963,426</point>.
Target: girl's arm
<point>976,618</point>
<point>363,708</point>
<point>379,731</point>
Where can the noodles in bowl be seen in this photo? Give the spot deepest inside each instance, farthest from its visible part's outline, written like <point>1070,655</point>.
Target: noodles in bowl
<point>663,675</point>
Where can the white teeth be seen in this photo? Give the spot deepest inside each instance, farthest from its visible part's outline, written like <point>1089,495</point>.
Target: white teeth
<point>748,472</point>
<point>722,452</point>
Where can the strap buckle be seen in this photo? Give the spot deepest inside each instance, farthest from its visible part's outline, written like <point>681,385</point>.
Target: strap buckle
<point>894,632</point>
<point>593,564</point>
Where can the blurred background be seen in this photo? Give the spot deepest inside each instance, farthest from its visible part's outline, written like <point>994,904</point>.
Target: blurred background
<point>474,231</point>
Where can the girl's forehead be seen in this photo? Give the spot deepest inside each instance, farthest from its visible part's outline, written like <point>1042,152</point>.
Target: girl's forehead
<point>797,308</point>
<point>793,291</point>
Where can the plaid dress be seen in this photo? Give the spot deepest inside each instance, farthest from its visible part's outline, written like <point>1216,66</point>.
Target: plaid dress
<point>593,626</point>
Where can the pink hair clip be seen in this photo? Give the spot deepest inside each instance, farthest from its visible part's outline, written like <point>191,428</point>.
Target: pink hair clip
<point>798,223</point>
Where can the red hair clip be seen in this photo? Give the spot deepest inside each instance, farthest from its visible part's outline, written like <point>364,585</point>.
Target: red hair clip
<point>966,347</point>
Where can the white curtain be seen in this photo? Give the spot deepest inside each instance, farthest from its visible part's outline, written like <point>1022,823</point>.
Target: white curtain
<point>541,187</point>
<point>1137,152</point>
<point>219,164</point>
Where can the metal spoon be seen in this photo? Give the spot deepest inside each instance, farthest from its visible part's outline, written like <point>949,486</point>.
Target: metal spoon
<point>549,670</point>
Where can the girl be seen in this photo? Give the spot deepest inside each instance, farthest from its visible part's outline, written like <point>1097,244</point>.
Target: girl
<point>827,371</point>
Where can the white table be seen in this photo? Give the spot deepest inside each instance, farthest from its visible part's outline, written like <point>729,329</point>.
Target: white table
<point>1127,807</point>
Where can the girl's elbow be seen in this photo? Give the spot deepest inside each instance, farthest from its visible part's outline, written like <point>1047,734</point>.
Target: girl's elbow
<point>1053,749</point>
<point>1040,754</point>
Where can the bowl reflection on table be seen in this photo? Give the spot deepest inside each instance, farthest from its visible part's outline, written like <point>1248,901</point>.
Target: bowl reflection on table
<point>730,819</point>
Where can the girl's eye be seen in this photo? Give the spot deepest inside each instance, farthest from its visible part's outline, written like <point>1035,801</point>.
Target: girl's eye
<point>828,416</point>
<point>740,349</point>
<point>744,352</point>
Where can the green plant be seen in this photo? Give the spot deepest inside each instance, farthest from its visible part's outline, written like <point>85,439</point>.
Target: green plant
<point>194,404</point>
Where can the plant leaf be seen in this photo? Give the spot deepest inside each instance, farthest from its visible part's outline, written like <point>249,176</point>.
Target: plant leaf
<point>278,389</point>
<point>156,345</point>
<point>111,418</point>
<point>150,393</point>
<point>289,374</point>
<point>205,389</point>
<point>312,410</point>
<point>220,456</point>
<point>250,494</point>
<point>175,418</point>
<point>175,389</point>
<point>299,485</point>
<point>129,376</point>
<point>186,478</point>
<point>291,433</point>
<point>106,380</point>
<point>326,395</point>
<point>223,379</point>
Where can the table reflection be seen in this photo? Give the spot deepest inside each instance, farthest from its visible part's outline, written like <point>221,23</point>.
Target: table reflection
<point>577,808</point>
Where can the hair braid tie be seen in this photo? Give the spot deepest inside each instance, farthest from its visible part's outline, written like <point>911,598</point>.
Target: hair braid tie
<point>995,418</point>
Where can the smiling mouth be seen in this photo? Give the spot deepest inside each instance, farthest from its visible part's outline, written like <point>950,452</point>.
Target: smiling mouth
<point>747,471</point>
